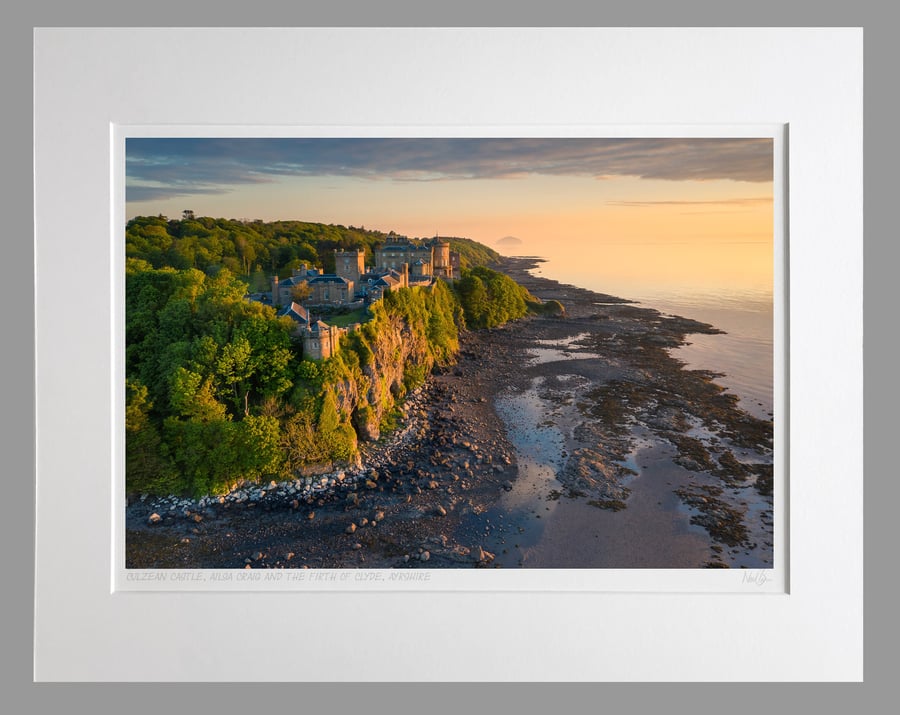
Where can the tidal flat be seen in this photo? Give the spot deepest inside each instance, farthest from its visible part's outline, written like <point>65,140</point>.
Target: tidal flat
<point>554,442</point>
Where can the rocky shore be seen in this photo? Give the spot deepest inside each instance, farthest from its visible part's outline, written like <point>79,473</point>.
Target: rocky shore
<point>554,442</point>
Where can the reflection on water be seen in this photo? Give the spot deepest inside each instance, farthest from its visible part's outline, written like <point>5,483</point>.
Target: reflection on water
<point>744,353</point>
<point>533,427</point>
<point>556,350</point>
<point>728,285</point>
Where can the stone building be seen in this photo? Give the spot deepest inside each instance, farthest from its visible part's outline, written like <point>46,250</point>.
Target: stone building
<point>282,289</point>
<point>298,314</point>
<point>420,269</point>
<point>397,251</point>
<point>330,289</point>
<point>350,264</point>
<point>442,266</point>
<point>427,258</point>
<point>320,340</point>
<point>455,265</point>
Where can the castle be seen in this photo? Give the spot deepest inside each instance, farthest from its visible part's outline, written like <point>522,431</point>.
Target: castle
<point>426,258</point>
<point>399,263</point>
<point>320,340</point>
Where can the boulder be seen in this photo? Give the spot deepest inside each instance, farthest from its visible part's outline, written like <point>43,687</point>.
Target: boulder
<point>154,518</point>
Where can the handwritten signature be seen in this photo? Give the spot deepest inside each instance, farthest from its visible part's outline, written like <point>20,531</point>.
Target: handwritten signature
<point>759,578</point>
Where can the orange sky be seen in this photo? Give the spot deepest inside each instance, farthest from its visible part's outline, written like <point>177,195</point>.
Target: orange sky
<point>684,206</point>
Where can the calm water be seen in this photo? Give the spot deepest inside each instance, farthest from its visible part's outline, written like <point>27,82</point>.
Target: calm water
<point>728,285</point>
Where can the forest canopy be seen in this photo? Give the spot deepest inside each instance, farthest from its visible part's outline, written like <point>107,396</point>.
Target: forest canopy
<point>257,250</point>
<point>218,390</point>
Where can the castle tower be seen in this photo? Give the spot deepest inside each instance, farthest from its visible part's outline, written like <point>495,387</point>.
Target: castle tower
<point>318,341</point>
<point>350,264</point>
<point>440,250</point>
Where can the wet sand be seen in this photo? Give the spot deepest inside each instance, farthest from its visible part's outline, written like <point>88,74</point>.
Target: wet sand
<point>575,442</point>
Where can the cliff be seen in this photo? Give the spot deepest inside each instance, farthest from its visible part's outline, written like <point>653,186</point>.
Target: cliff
<point>354,394</point>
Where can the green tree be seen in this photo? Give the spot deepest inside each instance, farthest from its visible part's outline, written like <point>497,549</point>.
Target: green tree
<point>300,292</point>
<point>489,298</point>
<point>147,467</point>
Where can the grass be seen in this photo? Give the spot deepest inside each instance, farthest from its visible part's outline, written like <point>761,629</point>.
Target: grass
<point>360,315</point>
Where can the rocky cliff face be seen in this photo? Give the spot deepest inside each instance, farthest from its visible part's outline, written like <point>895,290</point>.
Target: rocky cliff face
<point>392,355</point>
<point>395,350</point>
<point>380,384</point>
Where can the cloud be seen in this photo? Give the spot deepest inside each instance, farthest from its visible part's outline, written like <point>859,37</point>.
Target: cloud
<point>715,202</point>
<point>213,165</point>
<point>136,193</point>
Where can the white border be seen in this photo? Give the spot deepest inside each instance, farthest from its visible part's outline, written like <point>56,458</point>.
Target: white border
<point>771,580</point>
<point>87,79</point>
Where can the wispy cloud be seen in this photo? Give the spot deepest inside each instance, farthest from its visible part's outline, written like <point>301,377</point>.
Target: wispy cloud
<point>137,192</point>
<point>184,166</point>
<point>715,202</point>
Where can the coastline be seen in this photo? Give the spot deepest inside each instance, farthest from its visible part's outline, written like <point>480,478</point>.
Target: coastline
<point>554,442</point>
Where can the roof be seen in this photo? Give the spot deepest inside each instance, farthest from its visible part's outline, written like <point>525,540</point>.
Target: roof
<point>388,280</point>
<point>329,278</point>
<point>296,312</point>
<point>403,245</point>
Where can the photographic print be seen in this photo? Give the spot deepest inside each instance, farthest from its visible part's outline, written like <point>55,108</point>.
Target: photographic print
<point>449,353</point>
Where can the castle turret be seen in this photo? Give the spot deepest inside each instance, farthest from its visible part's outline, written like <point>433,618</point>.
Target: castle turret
<point>440,251</point>
<point>350,264</point>
<point>320,340</point>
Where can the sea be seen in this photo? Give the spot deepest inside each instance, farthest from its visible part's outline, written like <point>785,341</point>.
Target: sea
<point>726,284</point>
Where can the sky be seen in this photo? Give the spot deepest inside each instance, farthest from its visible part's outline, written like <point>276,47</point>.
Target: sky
<point>539,190</point>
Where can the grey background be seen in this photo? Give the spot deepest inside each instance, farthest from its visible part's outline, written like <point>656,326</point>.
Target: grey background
<point>16,487</point>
